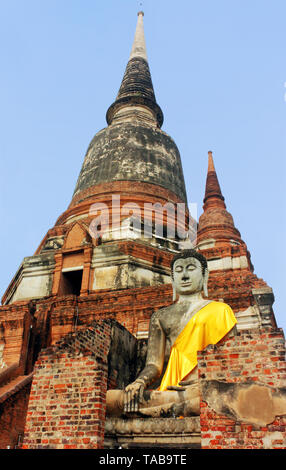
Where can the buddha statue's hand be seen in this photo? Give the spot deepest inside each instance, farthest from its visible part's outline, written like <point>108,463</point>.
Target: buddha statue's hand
<point>183,383</point>
<point>133,395</point>
<point>176,388</point>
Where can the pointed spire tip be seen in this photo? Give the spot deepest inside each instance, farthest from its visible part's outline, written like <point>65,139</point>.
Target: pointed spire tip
<point>211,162</point>
<point>139,46</point>
<point>212,184</point>
<point>136,86</point>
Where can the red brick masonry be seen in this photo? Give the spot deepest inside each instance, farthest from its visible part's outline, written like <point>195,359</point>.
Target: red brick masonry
<point>67,400</point>
<point>257,357</point>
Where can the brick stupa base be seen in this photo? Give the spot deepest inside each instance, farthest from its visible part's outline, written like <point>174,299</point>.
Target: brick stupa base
<point>67,402</point>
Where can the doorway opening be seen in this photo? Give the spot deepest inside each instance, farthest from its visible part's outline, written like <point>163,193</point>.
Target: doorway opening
<point>71,282</point>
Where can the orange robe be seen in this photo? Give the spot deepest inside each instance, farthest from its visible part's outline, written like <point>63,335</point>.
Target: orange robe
<point>208,326</point>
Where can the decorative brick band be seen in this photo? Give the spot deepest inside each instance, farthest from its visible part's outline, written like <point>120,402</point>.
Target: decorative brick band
<point>130,191</point>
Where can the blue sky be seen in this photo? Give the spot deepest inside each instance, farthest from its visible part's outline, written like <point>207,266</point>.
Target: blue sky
<point>219,73</point>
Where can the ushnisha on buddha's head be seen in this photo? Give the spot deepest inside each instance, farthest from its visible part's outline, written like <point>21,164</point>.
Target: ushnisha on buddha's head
<point>189,273</point>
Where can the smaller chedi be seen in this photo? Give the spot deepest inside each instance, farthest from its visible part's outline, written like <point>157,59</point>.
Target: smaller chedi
<point>176,334</point>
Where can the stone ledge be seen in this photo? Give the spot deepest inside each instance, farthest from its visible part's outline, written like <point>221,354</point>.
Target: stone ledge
<point>152,425</point>
<point>162,432</point>
<point>14,386</point>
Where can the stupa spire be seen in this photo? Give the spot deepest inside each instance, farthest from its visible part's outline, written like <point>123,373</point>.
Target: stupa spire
<point>136,98</point>
<point>139,45</point>
<point>216,221</point>
<point>213,194</point>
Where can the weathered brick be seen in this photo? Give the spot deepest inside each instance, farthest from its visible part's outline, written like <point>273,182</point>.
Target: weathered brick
<point>221,432</point>
<point>89,384</point>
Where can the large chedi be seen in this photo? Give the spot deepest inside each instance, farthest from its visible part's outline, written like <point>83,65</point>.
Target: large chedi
<point>74,321</point>
<point>130,162</point>
<point>133,148</point>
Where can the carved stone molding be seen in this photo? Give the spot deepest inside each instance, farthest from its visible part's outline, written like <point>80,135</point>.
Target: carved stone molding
<point>164,432</point>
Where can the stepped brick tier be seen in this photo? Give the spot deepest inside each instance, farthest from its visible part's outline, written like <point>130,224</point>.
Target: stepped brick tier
<point>74,320</point>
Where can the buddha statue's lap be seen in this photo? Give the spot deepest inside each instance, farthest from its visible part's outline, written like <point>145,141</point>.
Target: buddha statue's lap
<point>178,325</point>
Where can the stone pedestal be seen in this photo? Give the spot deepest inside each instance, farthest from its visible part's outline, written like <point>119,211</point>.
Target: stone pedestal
<point>174,433</point>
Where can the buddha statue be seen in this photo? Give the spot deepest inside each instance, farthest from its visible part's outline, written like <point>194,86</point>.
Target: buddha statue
<point>176,333</point>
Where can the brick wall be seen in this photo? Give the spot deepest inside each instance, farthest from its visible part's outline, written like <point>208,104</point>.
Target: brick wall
<point>130,307</point>
<point>67,401</point>
<point>15,321</point>
<point>68,395</point>
<point>12,418</point>
<point>251,364</point>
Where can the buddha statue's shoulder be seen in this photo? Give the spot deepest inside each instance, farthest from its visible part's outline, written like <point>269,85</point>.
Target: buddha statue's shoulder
<point>161,312</point>
<point>218,305</point>
<point>218,309</point>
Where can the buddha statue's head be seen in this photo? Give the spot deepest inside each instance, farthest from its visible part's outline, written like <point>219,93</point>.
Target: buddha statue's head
<point>189,273</point>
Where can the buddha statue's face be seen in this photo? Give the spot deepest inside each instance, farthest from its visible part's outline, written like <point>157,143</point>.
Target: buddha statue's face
<point>188,276</point>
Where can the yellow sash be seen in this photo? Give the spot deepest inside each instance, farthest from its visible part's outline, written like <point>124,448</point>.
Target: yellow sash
<point>208,326</point>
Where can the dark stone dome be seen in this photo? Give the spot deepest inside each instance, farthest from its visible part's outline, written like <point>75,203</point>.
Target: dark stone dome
<point>133,152</point>
<point>133,147</point>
